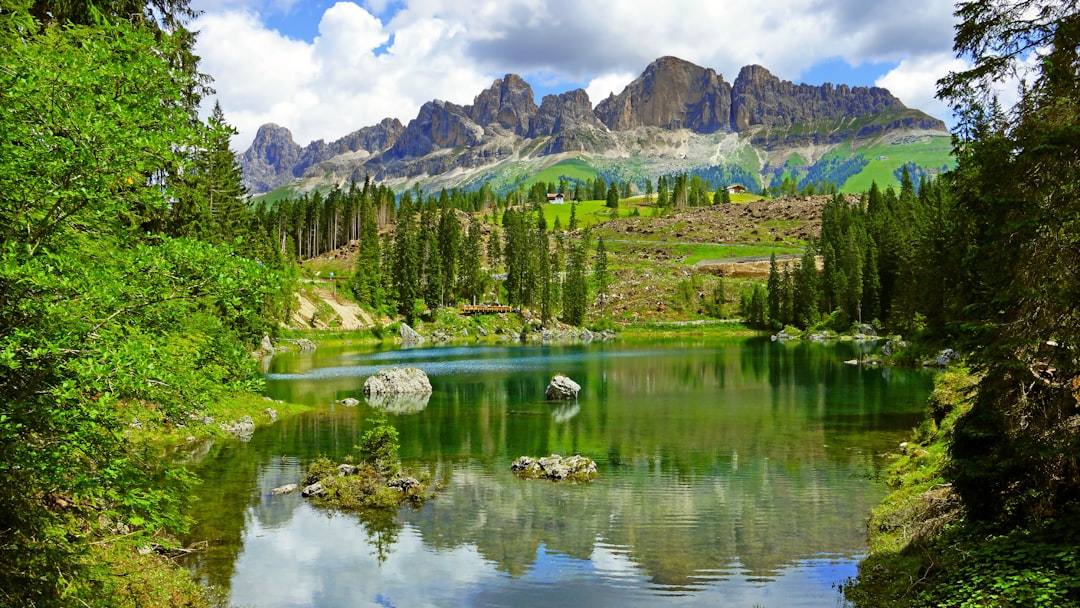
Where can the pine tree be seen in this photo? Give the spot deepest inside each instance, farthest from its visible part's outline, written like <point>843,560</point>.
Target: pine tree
<point>575,288</point>
<point>472,273</point>
<point>449,251</point>
<point>806,291</point>
<point>773,291</point>
<point>613,197</point>
<point>406,263</point>
<point>1016,453</point>
<point>367,279</point>
<point>600,269</point>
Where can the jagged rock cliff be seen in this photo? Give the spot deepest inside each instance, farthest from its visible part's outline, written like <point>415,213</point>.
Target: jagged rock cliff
<point>671,94</point>
<point>760,99</point>
<point>504,122</point>
<point>274,159</point>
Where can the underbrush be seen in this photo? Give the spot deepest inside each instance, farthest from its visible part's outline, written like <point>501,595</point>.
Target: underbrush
<point>925,552</point>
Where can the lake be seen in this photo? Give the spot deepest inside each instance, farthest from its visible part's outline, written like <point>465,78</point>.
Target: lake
<point>731,473</point>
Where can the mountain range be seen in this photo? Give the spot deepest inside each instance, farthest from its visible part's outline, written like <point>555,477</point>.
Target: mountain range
<point>675,117</point>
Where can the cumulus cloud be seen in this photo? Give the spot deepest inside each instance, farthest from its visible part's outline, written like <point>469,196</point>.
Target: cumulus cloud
<point>385,58</point>
<point>914,81</point>
<point>599,88</point>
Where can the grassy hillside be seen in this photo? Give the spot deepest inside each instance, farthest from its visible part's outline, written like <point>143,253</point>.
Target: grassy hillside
<point>932,153</point>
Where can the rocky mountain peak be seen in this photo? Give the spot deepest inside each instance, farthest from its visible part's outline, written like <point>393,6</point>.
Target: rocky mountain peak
<point>672,94</point>
<point>759,98</point>
<point>509,102</point>
<point>272,153</point>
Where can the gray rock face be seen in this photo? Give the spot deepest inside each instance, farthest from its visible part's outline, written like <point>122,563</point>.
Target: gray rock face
<point>409,337</point>
<point>671,94</point>
<point>760,99</point>
<point>562,388</point>
<point>271,158</point>
<point>396,381</point>
<point>314,489</point>
<point>508,103</point>
<point>565,112</point>
<point>440,124</point>
<point>275,159</point>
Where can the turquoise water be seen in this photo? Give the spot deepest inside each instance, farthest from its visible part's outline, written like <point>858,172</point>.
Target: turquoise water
<point>731,473</point>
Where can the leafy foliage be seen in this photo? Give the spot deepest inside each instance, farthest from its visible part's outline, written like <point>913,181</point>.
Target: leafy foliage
<point>103,314</point>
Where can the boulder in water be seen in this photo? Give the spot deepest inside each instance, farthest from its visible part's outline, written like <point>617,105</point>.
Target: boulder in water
<point>562,388</point>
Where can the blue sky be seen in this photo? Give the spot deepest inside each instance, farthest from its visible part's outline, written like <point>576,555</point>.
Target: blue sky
<point>324,69</point>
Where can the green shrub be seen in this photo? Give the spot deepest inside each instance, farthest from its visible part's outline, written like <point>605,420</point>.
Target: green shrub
<point>379,446</point>
<point>321,468</point>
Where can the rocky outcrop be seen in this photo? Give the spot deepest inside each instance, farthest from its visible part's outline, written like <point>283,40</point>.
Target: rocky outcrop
<point>760,99</point>
<point>509,103</point>
<point>671,94</point>
<point>409,336</point>
<point>439,125</point>
<point>555,468</point>
<point>397,381</point>
<point>562,388</point>
<point>271,158</point>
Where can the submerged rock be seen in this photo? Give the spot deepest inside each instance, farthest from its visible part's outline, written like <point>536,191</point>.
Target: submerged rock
<point>555,468</point>
<point>397,381</point>
<point>285,489</point>
<point>562,388</point>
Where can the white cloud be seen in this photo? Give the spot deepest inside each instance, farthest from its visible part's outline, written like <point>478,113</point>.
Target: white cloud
<point>914,81</point>
<point>599,88</point>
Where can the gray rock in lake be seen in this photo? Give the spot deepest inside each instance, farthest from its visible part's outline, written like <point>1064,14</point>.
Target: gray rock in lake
<point>562,388</point>
<point>285,489</point>
<point>398,381</point>
<point>409,337</point>
<point>348,402</point>
<point>555,468</point>
<point>314,489</point>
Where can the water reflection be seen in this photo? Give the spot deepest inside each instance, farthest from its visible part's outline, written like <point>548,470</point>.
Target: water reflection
<point>726,471</point>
